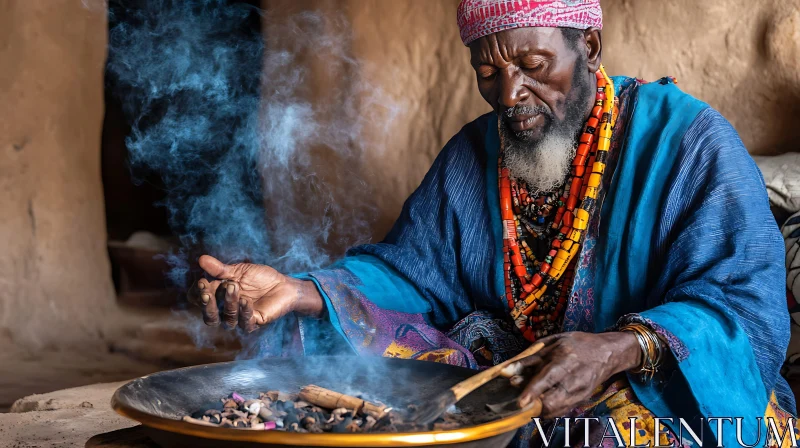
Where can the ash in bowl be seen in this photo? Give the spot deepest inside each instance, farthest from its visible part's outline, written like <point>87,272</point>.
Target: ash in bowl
<point>313,410</point>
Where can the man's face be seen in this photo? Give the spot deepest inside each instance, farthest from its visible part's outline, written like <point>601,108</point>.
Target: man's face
<point>542,89</point>
<point>533,79</point>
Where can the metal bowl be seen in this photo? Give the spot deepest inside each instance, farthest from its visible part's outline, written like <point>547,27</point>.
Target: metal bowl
<point>160,400</point>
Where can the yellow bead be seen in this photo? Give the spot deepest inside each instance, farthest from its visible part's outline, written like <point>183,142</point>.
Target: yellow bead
<point>573,251</point>
<point>575,236</point>
<point>598,167</point>
<point>594,180</point>
<point>557,263</point>
<point>536,295</point>
<point>604,144</point>
<point>591,192</point>
<point>567,244</point>
<point>579,224</point>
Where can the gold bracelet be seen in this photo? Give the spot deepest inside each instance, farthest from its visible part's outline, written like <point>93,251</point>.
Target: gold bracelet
<point>652,349</point>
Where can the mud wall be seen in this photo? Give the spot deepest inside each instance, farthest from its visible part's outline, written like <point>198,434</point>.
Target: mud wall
<point>55,284</point>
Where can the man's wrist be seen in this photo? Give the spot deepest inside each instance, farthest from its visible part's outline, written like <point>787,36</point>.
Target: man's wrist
<point>629,353</point>
<point>308,300</point>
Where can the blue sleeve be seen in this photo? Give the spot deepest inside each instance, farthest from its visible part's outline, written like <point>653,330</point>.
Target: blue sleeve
<point>721,287</point>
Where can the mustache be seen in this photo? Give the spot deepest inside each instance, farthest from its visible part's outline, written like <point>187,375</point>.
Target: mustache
<point>527,110</point>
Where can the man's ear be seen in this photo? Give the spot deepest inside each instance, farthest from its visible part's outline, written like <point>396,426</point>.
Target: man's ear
<point>594,48</point>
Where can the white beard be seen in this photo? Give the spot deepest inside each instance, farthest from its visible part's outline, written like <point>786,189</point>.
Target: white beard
<point>543,166</point>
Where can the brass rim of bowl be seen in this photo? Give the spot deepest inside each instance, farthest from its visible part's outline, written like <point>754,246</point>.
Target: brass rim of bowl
<point>468,434</point>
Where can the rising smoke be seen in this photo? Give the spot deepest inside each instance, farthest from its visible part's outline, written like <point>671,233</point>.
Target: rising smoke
<point>258,141</point>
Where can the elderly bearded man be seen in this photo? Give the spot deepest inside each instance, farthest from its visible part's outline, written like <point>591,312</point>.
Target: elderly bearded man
<point>621,223</point>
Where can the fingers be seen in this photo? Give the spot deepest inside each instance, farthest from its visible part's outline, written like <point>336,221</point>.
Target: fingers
<point>202,295</point>
<point>247,320</point>
<point>554,401</point>
<point>228,295</point>
<point>547,378</point>
<point>516,368</point>
<point>216,268</point>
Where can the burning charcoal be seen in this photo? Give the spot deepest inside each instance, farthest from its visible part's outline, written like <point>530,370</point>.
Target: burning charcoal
<point>308,421</point>
<point>369,422</point>
<point>343,425</point>
<point>445,426</point>
<point>291,418</point>
<point>286,397</point>
<point>266,414</point>
<point>240,423</point>
<point>270,395</point>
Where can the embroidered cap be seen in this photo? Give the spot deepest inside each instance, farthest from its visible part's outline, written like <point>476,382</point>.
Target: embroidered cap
<point>478,18</point>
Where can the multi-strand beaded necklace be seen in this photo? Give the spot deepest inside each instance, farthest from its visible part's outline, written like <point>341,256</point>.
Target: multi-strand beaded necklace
<point>542,233</point>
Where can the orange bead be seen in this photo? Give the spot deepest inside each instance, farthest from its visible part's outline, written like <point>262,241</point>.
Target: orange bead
<point>578,171</point>
<point>597,112</point>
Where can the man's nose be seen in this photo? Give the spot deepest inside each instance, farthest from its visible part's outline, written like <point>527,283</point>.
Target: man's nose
<point>512,91</point>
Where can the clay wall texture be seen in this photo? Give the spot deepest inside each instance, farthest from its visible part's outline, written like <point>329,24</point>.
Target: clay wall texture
<point>55,283</point>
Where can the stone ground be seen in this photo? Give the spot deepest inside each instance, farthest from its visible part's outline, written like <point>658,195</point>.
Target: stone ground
<point>150,341</point>
<point>79,417</point>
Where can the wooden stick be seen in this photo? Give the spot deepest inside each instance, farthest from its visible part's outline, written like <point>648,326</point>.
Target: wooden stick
<point>470,384</point>
<point>326,398</point>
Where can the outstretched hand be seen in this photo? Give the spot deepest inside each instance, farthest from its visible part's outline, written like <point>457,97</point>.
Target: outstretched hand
<point>251,295</point>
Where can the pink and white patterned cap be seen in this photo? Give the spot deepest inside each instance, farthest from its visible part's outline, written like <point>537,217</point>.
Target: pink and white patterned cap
<point>478,18</point>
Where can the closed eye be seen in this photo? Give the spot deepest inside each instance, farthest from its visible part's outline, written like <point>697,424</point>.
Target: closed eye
<point>486,71</point>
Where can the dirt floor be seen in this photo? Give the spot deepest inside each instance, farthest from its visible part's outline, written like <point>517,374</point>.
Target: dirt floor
<point>147,341</point>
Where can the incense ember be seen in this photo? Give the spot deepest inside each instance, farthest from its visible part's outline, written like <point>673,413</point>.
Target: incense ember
<point>313,410</point>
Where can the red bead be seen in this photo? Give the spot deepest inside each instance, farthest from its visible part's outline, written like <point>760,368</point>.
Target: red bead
<point>593,122</point>
<point>537,280</point>
<point>567,220</point>
<point>520,271</point>
<point>583,149</point>
<point>587,138</point>
<point>556,244</point>
<point>544,268</point>
<point>528,288</point>
<point>553,253</point>
<point>572,202</point>
<point>578,171</point>
<point>597,112</point>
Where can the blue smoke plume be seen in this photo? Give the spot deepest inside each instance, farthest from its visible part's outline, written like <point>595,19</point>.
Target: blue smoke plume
<point>258,142</point>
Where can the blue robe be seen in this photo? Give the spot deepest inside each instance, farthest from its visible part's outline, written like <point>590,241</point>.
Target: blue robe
<point>685,242</point>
